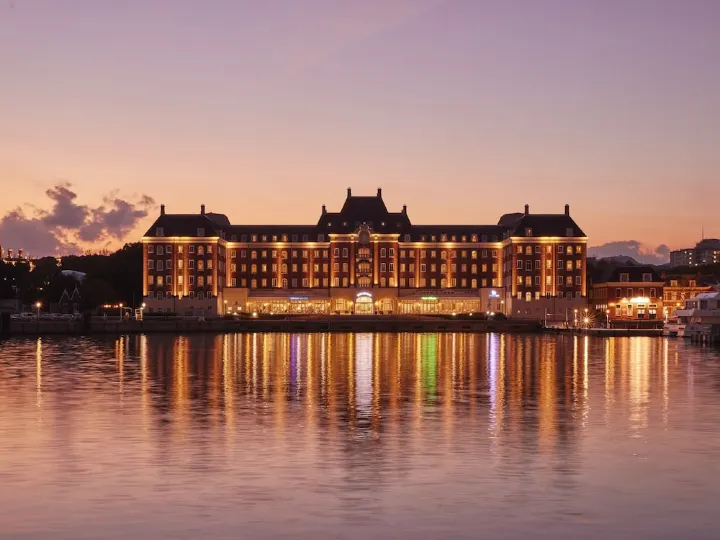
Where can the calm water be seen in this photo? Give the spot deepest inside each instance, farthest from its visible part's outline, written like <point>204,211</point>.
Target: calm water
<point>359,436</point>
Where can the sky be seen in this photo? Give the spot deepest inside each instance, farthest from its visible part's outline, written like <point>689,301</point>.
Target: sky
<point>265,110</point>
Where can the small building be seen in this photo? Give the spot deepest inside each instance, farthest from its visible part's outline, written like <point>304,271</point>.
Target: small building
<point>70,302</point>
<point>629,293</point>
<point>678,289</point>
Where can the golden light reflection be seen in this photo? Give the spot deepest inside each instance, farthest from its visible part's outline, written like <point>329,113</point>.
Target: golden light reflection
<point>38,374</point>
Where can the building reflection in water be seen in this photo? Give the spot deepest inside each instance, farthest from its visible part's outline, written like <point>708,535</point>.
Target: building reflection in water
<point>369,404</point>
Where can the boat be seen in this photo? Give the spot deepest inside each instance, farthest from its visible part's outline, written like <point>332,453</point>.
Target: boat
<point>698,313</point>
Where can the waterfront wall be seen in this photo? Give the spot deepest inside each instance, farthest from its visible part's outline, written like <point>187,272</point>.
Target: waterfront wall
<point>328,324</point>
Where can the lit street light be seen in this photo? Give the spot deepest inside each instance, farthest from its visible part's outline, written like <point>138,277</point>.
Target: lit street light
<point>38,305</point>
<point>121,311</point>
<point>607,316</point>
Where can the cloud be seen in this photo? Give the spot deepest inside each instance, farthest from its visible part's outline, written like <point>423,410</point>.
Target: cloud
<point>67,225</point>
<point>643,253</point>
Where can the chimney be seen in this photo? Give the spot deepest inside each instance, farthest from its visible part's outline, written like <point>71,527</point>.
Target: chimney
<point>567,209</point>
<point>324,210</point>
<point>379,192</point>
<point>202,209</point>
<point>527,209</point>
<point>162,209</point>
<point>404,210</point>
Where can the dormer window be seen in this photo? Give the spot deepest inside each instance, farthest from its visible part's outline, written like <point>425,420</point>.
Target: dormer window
<point>528,231</point>
<point>159,231</point>
<point>647,277</point>
<point>624,277</point>
<point>407,237</point>
<point>201,231</point>
<point>233,238</point>
<point>305,237</point>
<point>321,237</point>
<point>474,237</point>
<point>569,232</point>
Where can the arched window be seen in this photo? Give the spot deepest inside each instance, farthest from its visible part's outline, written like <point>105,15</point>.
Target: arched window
<point>443,267</point>
<point>443,283</point>
<point>473,283</point>
<point>383,252</point>
<point>284,283</point>
<point>284,269</point>
<point>253,269</point>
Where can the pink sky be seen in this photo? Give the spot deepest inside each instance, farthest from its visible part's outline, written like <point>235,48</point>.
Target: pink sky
<point>463,110</point>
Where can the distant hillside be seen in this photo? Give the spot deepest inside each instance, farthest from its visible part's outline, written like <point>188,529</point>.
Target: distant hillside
<point>637,251</point>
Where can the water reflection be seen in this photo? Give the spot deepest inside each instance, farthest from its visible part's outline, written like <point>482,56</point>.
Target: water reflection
<point>359,425</point>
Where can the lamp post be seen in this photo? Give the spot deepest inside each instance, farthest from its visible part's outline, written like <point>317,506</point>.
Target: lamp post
<point>226,307</point>
<point>575,318</point>
<point>121,311</point>
<point>38,305</point>
<point>607,317</point>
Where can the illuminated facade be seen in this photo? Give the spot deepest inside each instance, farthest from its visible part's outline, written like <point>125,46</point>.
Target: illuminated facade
<point>364,260</point>
<point>629,293</point>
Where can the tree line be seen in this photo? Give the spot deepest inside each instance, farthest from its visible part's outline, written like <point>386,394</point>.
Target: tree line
<point>109,279</point>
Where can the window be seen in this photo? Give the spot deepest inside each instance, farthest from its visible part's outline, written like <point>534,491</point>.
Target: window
<point>382,267</point>
<point>538,248</point>
<point>624,277</point>
<point>519,250</point>
<point>647,277</point>
<point>201,281</point>
<point>422,267</point>
<point>578,264</point>
<point>618,293</point>
<point>528,231</point>
<point>560,280</point>
<point>568,265</point>
<point>560,264</point>
<point>336,252</point>
<point>519,280</point>
<point>548,264</point>
<point>578,280</point>
<point>537,280</point>
<point>494,253</point>
<point>528,265</point>
<point>519,265</point>
<point>159,231</point>
<point>569,231</point>
<point>629,293</point>
<point>321,237</point>
<point>569,281</point>
<point>407,237</point>
<point>151,264</point>
<point>383,252</point>
<point>443,268</point>
<point>345,252</point>
<point>561,249</point>
<point>201,231</point>
<point>537,264</point>
<point>652,292</point>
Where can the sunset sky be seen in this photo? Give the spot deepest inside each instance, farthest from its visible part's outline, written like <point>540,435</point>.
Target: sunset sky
<point>264,110</point>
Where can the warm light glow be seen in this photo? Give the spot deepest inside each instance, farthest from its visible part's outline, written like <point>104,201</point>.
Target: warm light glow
<point>640,300</point>
<point>38,305</point>
<point>586,320</point>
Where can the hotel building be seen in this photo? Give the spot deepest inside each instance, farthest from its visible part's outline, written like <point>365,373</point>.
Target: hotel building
<point>364,259</point>
<point>629,293</point>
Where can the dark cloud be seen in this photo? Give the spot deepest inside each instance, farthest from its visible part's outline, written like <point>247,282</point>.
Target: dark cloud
<point>68,224</point>
<point>632,248</point>
<point>64,213</point>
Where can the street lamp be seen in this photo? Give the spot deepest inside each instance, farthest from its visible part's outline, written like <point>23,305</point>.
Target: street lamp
<point>121,310</point>
<point>586,320</point>
<point>575,317</point>
<point>607,316</point>
<point>38,305</point>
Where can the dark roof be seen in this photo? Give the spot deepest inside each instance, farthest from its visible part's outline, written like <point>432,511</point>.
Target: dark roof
<point>363,210</point>
<point>359,210</point>
<point>184,225</point>
<point>220,219</point>
<point>545,225</point>
<point>612,274</point>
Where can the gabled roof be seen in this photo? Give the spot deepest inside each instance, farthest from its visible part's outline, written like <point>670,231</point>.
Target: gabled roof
<point>363,210</point>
